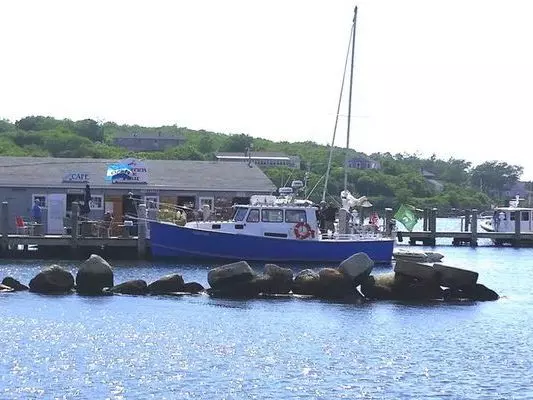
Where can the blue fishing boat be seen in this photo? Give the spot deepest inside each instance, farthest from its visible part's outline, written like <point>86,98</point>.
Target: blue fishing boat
<point>274,229</point>
<point>279,229</point>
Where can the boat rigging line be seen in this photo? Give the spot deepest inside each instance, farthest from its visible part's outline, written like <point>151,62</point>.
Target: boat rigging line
<point>332,146</point>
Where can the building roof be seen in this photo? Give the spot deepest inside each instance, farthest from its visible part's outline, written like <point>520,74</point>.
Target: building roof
<point>151,135</point>
<point>258,154</point>
<point>162,174</point>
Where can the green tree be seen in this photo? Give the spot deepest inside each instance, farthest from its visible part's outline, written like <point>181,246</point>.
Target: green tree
<point>237,143</point>
<point>495,176</point>
<point>90,129</point>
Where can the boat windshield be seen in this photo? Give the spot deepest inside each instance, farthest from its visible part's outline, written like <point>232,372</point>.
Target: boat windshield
<point>239,214</point>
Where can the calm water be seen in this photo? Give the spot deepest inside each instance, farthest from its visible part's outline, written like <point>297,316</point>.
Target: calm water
<point>195,347</point>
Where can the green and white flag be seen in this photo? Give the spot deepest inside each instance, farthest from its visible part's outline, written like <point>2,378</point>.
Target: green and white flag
<point>406,215</point>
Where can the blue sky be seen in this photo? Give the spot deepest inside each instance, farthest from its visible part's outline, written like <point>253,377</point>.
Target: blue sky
<point>452,77</point>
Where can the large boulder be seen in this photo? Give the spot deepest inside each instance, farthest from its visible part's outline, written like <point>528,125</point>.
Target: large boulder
<point>94,275</point>
<point>454,277</point>
<point>14,284</point>
<point>52,280</point>
<point>396,286</point>
<point>276,280</point>
<point>357,267</point>
<point>167,284</point>
<point>477,292</point>
<point>306,282</point>
<point>137,286</point>
<point>333,284</point>
<point>419,270</point>
<point>229,275</point>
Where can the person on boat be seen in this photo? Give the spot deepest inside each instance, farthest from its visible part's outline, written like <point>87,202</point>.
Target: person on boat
<point>329,216</point>
<point>321,216</point>
<point>496,220</point>
<point>374,220</point>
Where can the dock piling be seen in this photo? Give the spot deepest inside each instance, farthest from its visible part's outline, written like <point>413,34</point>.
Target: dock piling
<point>74,225</point>
<point>517,219</point>
<point>4,225</point>
<point>141,231</point>
<point>473,228</point>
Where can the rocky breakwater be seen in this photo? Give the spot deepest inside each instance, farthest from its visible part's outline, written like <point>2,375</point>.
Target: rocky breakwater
<point>351,281</point>
<point>418,281</point>
<point>95,277</point>
<point>241,281</point>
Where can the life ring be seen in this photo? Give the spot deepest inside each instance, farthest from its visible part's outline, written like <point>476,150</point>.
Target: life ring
<point>302,230</point>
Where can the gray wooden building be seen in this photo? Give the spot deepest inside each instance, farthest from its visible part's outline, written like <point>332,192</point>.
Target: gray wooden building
<point>58,182</point>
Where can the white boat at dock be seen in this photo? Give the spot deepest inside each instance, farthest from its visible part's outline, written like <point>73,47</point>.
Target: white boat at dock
<point>508,219</point>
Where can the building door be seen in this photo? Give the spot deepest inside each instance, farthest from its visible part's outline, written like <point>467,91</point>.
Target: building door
<point>57,209</point>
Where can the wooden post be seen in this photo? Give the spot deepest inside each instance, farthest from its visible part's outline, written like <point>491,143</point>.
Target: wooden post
<point>467,221</point>
<point>4,225</point>
<point>517,219</point>
<point>426,220</point>
<point>433,227</point>
<point>388,217</point>
<point>473,224</point>
<point>74,224</point>
<point>141,231</point>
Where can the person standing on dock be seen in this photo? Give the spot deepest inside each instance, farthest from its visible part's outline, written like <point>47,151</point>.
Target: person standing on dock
<point>496,220</point>
<point>36,212</point>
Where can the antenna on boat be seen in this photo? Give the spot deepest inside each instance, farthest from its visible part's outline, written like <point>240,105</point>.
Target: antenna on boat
<point>350,103</point>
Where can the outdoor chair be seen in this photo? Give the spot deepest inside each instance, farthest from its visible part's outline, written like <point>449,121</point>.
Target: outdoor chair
<point>23,227</point>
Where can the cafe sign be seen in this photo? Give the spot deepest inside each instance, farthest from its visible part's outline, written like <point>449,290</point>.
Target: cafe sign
<point>76,177</point>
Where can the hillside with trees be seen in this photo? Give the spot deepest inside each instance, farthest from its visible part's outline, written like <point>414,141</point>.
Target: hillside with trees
<point>461,185</point>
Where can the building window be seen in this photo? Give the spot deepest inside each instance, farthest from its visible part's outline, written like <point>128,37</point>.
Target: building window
<point>41,198</point>
<point>97,202</point>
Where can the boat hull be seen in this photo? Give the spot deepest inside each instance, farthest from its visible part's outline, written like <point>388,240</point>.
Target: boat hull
<point>172,241</point>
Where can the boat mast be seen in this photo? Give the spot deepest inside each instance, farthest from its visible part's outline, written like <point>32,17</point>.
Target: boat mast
<point>350,103</point>
<point>332,147</point>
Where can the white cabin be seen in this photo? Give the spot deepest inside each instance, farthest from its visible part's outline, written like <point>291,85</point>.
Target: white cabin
<point>269,216</point>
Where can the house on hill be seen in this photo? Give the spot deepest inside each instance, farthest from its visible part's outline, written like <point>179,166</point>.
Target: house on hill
<point>262,159</point>
<point>363,163</point>
<point>148,141</point>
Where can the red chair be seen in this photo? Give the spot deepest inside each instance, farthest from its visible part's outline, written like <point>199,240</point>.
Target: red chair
<point>23,228</point>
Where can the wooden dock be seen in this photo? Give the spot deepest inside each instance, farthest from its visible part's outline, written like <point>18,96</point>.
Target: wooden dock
<point>76,245</point>
<point>469,234</point>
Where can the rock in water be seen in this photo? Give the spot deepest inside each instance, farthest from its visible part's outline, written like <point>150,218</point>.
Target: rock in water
<point>193,288</point>
<point>52,280</point>
<point>229,275</point>
<point>333,284</point>
<point>137,286</point>
<point>14,284</point>
<point>167,284</point>
<point>94,275</point>
<point>276,280</point>
<point>306,282</point>
<point>357,267</point>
